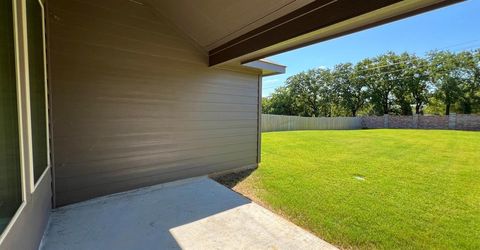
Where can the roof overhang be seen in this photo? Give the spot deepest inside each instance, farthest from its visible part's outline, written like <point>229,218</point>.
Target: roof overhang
<point>315,22</point>
<point>267,68</point>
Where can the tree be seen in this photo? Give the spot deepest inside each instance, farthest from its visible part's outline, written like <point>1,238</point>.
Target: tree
<point>388,83</point>
<point>447,75</point>
<point>416,80</point>
<point>435,106</point>
<point>280,103</point>
<point>470,62</point>
<point>475,66</point>
<point>311,92</point>
<point>352,90</point>
<point>266,105</point>
<point>382,74</point>
<point>304,93</point>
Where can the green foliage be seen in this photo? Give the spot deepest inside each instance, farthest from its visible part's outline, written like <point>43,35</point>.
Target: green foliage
<point>470,99</point>
<point>435,107</point>
<point>389,83</point>
<point>352,90</point>
<point>280,103</point>
<point>416,81</point>
<point>383,75</point>
<point>448,76</point>
<point>312,92</point>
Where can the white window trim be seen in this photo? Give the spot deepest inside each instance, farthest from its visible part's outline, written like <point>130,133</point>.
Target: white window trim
<point>33,185</point>
<point>20,126</point>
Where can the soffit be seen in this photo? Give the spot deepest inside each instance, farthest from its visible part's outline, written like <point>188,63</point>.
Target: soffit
<point>211,23</point>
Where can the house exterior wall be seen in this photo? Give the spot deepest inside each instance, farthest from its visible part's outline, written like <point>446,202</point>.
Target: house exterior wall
<point>25,230</point>
<point>134,102</point>
<point>27,227</point>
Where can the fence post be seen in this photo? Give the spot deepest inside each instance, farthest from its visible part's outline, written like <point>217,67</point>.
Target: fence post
<point>415,121</point>
<point>385,120</point>
<point>290,121</point>
<point>452,121</point>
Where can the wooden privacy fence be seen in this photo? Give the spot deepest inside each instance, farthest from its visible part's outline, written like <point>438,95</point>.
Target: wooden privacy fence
<point>453,121</point>
<point>284,123</point>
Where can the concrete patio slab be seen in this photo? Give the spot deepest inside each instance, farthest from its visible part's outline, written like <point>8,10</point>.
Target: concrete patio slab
<point>190,214</point>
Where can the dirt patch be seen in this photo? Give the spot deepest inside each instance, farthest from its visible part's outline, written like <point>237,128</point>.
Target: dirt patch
<point>243,183</point>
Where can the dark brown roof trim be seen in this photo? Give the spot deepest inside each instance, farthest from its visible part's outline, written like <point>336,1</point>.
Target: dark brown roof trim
<point>385,21</point>
<point>314,16</point>
<point>311,17</point>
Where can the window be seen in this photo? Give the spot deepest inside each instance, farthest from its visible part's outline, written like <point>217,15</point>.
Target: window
<point>10,168</point>
<point>36,68</point>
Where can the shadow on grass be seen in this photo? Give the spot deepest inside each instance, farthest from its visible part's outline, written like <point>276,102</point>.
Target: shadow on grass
<point>232,179</point>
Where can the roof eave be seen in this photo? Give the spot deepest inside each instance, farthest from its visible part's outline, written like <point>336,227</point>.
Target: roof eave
<point>300,31</point>
<point>268,68</point>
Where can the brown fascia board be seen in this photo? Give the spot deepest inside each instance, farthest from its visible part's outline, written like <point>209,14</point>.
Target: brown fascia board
<point>312,17</point>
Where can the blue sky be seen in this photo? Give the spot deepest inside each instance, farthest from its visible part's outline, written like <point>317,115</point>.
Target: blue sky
<point>454,28</point>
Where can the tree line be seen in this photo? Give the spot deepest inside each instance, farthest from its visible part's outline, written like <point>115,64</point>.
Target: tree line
<point>438,83</point>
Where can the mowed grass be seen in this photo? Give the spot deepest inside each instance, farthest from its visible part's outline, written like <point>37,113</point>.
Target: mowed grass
<point>385,189</point>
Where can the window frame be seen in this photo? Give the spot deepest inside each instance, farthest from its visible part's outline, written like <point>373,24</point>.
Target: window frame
<point>21,141</point>
<point>33,184</point>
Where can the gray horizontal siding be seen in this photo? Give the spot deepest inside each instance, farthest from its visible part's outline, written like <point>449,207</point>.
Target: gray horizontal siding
<point>134,103</point>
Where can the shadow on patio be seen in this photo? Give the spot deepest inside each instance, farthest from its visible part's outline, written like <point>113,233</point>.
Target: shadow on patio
<point>191,214</point>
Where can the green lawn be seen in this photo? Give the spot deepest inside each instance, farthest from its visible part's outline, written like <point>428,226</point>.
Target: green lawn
<point>409,189</point>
